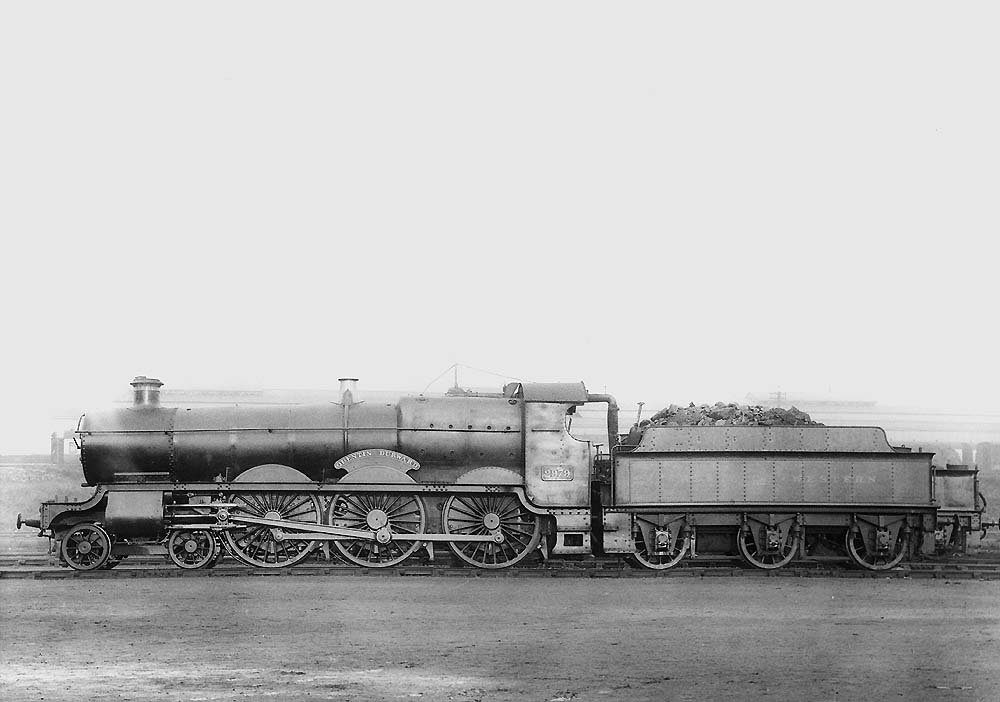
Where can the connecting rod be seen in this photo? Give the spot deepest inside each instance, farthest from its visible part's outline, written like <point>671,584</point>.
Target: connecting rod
<point>326,532</point>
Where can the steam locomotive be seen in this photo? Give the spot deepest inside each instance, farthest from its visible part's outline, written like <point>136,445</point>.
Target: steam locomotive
<point>494,477</point>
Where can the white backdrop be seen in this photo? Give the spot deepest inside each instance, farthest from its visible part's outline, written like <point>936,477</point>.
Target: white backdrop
<point>663,201</point>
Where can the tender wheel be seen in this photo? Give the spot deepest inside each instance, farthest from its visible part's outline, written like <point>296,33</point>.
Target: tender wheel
<point>192,548</point>
<point>256,545</point>
<point>670,545</point>
<point>384,513</point>
<point>86,547</point>
<point>768,547</point>
<point>875,547</point>
<point>485,515</point>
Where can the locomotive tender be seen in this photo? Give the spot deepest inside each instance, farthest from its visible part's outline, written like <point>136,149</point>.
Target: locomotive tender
<point>496,477</point>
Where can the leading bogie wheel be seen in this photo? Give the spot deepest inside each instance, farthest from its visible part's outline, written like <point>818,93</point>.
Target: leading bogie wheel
<point>488,515</point>
<point>388,515</point>
<point>86,547</point>
<point>257,545</point>
<point>193,548</point>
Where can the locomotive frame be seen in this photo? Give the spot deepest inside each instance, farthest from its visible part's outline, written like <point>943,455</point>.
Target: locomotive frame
<point>495,477</point>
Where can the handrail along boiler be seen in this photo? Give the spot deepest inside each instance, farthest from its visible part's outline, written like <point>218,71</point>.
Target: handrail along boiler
<point>495,477</point>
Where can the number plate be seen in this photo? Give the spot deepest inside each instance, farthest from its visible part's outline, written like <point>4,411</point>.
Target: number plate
<point>557,472</point>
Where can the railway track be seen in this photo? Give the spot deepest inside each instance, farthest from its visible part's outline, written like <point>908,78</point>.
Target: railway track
<point>40,568</point>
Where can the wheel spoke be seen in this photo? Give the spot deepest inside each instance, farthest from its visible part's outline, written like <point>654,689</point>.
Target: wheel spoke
<point>255,504</point>
<point>306,509</point>
<point>97,552</point>
<point>401,514</point>
<point>476,551</point>
<point>256,550</point>
<point>288,504</point>
<point>294,504</point>
<point>255,544</point>
<point>388,509</point>
<point>861,542</point>
<point>394,518</point>
<point>667,559</point>
<point>358,515</point>
<point>509,530</point>
<point>248,537</point>
<point>352,506</point>
<point>751,542</point>
<point>523,542</point>
<point>407,530</point>
<point>464,529</point>
<point>204,555</point>
<point>469,515</point>
<point>513,509</point>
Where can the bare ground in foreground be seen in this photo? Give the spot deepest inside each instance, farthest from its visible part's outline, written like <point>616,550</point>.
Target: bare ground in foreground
<point>466,639</point>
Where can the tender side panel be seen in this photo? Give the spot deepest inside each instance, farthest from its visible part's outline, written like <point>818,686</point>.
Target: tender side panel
<point>648,480</point>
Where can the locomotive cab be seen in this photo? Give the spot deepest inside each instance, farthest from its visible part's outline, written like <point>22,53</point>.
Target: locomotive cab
<point>558,467</point>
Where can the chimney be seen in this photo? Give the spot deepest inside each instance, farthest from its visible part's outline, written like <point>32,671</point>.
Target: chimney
<point>348,386</point>
<point>147,391</point>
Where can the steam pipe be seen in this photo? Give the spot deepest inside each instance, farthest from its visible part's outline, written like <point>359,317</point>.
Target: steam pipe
<point>612,415</point>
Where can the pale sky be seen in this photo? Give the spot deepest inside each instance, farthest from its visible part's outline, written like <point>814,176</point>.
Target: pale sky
<point>670,203</point>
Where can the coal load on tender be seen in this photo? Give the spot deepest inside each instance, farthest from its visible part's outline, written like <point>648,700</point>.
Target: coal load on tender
<point>730,415</point>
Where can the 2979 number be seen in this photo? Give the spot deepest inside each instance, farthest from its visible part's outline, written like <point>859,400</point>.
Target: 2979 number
<point>557,472</point>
